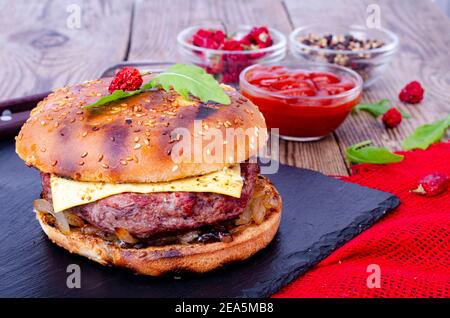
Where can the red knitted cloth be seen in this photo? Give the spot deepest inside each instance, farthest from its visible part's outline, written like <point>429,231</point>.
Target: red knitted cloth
<point>411,244</point>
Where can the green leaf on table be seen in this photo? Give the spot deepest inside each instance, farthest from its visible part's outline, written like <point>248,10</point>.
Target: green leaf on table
<point>116,95</point>
<point>363,153</point>
<point>378,108</point>
<point>190,79</point>
<point>427,134</point>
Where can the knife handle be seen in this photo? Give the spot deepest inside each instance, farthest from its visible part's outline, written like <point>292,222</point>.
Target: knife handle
<point>22,103</point>
<point>10,123</point>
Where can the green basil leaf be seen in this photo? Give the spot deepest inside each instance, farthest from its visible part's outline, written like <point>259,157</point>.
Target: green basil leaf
<point>116,95</point>
<point>427,134</point>
<point>378,108</point>
<point>190,79</point>
<point>375,109</point>
<point>363,153</point>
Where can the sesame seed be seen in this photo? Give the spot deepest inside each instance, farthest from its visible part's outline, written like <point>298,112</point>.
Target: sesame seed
<point>84,154</point>
<point>112,138</point>
<point>104,165</point>
<point>43,123</point>
<point>175,168</point>
<point>137,146</point>
<point>146,142</point>
<point>72,120</point>
<point>54,162</point>
<point>43,149</point>
<point>135,158</point>
<point>100,158</point>
<point>56,125</point>
<point>84,134</point>
<point>136,139</point>
<point>123,162</point>
<point>81,162</point>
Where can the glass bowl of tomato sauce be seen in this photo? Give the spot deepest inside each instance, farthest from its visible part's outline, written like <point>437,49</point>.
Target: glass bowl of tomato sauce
<point>305,102</point>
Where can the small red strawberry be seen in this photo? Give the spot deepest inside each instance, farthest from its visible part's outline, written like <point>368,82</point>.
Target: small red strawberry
<point>261,36</point>
<point>432,184</point>
<point>412,93</point>
<point>127,79</point>
<point>210,39</point>
<point>232,45</point>
<point>392,118</point>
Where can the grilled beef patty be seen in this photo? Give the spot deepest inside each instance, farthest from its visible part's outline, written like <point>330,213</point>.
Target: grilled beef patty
<point>146,215</point>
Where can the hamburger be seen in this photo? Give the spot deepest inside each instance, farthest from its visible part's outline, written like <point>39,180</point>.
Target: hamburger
<point>112,191</point>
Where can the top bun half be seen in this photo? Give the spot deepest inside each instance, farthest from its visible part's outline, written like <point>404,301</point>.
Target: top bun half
<point>131,140</point>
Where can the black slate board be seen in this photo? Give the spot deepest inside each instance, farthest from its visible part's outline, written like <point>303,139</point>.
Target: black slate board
<point>319,214</point>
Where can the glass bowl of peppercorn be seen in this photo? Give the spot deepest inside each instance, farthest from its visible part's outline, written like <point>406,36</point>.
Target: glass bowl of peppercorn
<point>367,51</point>
<point>225,52</point>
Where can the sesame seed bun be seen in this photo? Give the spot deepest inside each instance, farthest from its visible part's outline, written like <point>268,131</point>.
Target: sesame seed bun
<point>156,261</point>
<point>131,140</point>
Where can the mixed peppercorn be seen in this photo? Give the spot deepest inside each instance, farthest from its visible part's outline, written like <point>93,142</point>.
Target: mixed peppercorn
<point>347,43</point>
<point>227,66</point>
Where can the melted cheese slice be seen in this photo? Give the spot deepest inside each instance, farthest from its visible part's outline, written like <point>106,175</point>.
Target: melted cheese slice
<point>69,193</point>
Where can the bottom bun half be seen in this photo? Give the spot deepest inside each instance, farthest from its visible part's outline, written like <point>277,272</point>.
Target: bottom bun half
<point>159,260</point>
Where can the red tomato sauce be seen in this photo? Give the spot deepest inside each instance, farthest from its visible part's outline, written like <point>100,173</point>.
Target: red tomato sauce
<point>301,103</point>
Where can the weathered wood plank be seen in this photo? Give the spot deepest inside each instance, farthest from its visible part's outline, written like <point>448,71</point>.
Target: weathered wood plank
<point>424,33</point>
<point>40,52</point>
<point>154,38</point>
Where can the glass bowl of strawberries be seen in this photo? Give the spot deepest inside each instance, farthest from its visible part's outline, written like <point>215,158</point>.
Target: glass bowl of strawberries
<point>224,54</point>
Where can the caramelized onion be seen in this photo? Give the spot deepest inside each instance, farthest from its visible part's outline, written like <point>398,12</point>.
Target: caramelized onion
<point>125,236</point>
<point>188,237</point>
<point>74,220</point>
<point>61,222</point>
<point>92,230</point>
<point>258,205</point>
<point>41,205</point>
<point>246,216</point>
<point>259,211</point>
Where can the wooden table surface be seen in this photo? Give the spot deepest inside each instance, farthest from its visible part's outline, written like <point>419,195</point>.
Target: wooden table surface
<point>39,52</point>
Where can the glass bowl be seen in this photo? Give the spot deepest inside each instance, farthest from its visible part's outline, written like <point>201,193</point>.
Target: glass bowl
<point>226,66</point>
<point>370,64</point>
<point>303,118</point>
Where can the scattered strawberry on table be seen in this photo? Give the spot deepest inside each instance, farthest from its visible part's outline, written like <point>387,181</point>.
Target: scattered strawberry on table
<point>412,93</point>
<point>432,184</point>
<point>392,118</point>
<point>227,66</point>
